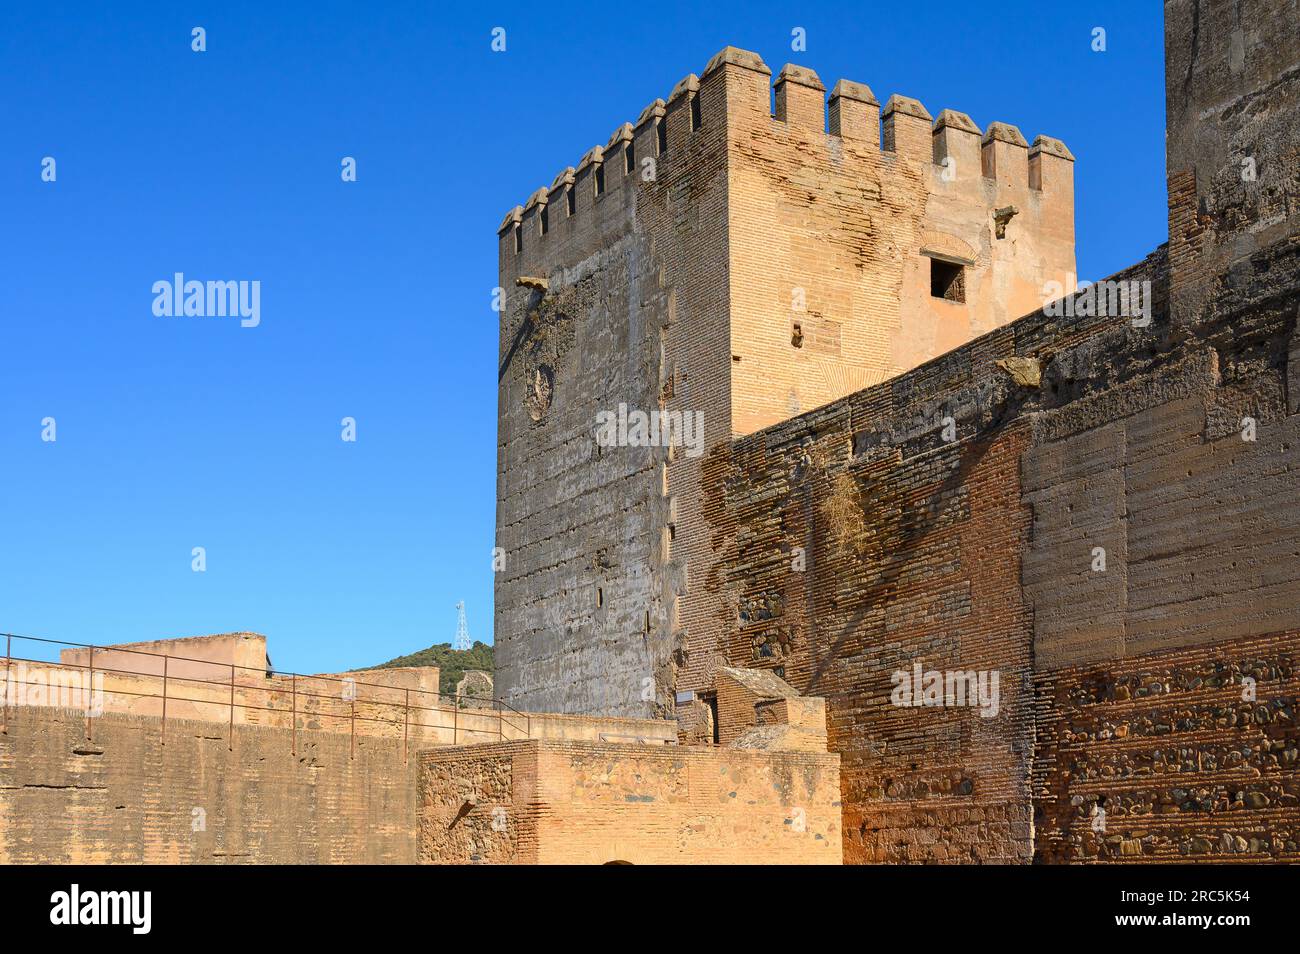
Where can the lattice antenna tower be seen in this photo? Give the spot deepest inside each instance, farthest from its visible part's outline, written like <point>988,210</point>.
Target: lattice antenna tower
<point>462,630</point>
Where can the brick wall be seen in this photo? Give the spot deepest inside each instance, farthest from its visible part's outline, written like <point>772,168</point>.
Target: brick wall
<point>832,232</point>
<point>976,553</point>
<point>911,557</point>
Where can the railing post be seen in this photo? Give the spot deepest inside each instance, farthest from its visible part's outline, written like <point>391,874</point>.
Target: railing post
<point>352,753</point>
<point>164,714</point>
<point>406,724</point>
<point>293,715</point>
<point>8,664</point>
<point>90,735</point>
<point>231,735</point>
<point>455,717</point>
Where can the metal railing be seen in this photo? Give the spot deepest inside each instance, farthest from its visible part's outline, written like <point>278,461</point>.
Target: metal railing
<point>181,677</point>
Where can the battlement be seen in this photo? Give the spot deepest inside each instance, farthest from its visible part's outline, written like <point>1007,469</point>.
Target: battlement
<point>736,89</point>
<point>751,247</point>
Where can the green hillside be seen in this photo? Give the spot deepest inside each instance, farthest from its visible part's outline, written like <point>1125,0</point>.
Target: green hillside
<point>451,662</point>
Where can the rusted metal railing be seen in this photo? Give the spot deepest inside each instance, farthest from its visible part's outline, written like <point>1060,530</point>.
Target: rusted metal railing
<point>8,654</point>
<point>421,710</point>
<point>164,701</point>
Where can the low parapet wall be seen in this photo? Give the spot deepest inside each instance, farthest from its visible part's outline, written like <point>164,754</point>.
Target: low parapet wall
<point>396,704</point>
<point>209,794</point>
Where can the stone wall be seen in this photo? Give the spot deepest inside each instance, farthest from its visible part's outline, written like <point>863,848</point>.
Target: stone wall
<point>981,551</point>
<point>1232,95</point>
<point>587,803</point>
<point>1183,756</point>
<point>207,796</point>
<point>586,595</point>
<point>910,558</point>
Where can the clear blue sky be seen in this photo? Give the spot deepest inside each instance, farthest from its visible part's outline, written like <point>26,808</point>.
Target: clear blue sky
<point>376,295</point>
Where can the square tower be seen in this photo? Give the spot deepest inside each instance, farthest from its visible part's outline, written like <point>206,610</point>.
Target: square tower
<point>716,267</point>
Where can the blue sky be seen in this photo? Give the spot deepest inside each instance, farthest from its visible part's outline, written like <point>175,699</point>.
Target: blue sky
<point>174,433</point>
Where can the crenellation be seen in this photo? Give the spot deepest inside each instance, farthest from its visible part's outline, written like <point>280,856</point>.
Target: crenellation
<point>677,114</point>
<point>620,136</point>
<point>615,151</point>
<point>734,56</point>
<point>744,80</point>
<point>539,197</point>
<point>907,129</point>
<point>688,85</point>
<point>854,113</point>
<point>511,220</point>
<point>801,99</point>
<point>653,112</point>
<point>737,82</point>
<point>1005,158</point>
<point>956,146</point>
<point>563,180</point>
<point>592,157</point>
<point>647,130</point>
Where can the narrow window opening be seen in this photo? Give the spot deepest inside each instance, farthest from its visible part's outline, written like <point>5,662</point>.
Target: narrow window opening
<point>947,280</point>
<point>546,221</point>
<point>629,158</point>
<point>696,120</point>
<point>600,597</point>
<point>661,134</point>
<point>572,198</point>
<point>519,239</point>
<point>600,181</point>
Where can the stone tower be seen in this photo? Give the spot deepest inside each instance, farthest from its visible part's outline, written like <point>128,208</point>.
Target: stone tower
<point>742,253</point>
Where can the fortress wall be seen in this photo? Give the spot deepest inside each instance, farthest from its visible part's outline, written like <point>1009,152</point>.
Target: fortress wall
<point>586,803</point>
<point>578,523</point>
<point>312,703</point>
<point>587,613</point>
<point>910,558</point>
<point>978,553</point>
<point>1191,755</point>
<point>1232,97</point>
<point>668,287</point>
<point>125,798</point>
